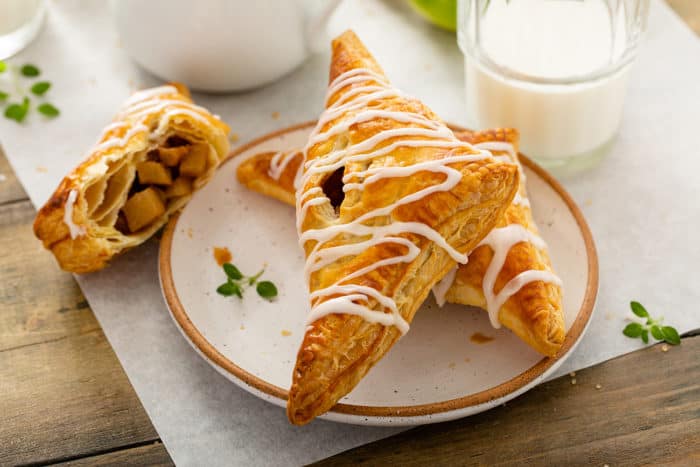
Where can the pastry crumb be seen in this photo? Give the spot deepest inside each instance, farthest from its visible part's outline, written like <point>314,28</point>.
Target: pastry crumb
<point>588,202</point>
<point>452,365</point>
<point>598,386</point>
<point>222,255</point>
<point>467,360</point>
<point>242,327</point>
<point>275,115</point>
<point>234,137</point>
<point>573,381</point>
<point>479,338</point>
<point>189,232</point>
<point>41,169</point>
<point>286,333</point>
<point>664,348</point>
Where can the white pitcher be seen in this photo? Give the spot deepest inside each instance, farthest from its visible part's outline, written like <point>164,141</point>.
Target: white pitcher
<point>222,45</point>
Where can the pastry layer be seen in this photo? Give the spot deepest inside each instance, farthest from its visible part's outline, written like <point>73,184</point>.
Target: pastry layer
<point>159,149</point>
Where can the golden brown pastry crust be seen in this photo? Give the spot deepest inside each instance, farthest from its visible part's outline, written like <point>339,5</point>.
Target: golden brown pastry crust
<point>534,313</point>
<point>339,348</point>
<point>102,182</point>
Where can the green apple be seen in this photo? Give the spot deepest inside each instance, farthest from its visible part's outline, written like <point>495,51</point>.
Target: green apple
<point>441,13</point>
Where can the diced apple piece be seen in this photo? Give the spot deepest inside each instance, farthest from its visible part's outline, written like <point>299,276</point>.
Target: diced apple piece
<point>172,156</point>
<point>194,163</point>
<point>151,172</point>
<point>182,186</point>
<point>143,208</point>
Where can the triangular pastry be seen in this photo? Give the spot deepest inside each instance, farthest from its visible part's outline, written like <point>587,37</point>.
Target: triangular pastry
<point>388,202</point>
<point>510,274</point>
<point>147,163</point>
<point>533,311</point>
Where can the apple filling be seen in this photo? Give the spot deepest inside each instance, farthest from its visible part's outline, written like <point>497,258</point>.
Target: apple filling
<point>132,196</point>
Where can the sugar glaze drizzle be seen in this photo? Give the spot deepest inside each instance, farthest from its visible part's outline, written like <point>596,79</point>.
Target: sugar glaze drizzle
<point>139,106</point>
<point>74,229</point>
<point>343,297</point>
<point>501,240</point>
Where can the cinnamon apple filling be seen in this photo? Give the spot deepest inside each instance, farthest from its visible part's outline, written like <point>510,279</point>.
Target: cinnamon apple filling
<point>131,197</point>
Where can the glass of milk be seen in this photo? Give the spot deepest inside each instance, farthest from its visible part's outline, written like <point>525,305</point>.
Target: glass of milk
<point>556,70</point>
<point>20,22</point>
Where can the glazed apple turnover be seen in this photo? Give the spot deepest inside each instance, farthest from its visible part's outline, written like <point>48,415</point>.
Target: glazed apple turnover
<point>146,165</point>
<point>389,200</point>
<point>530,306</point>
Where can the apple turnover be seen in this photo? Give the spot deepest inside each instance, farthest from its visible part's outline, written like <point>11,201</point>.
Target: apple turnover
<point>146,165</point>
<point>530,306</point>
<point>389,200</point>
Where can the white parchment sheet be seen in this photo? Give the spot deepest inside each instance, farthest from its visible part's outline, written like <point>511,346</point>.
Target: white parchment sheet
<point>642,204</point>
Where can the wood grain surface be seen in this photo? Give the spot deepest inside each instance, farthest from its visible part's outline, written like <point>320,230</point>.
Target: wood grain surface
<point>65,399</point>
<point>642,408</point>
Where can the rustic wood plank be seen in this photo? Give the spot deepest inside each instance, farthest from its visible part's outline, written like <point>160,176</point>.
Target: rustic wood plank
<point>689,11</point>
<point>67,398</point>
<point>39,302</point>
<point>10,188</point>
<point>647,411</point>
<point>153,454</point>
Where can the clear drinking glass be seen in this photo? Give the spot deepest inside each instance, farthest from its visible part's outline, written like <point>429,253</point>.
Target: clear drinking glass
<point>20,22</point>
<point>556,70</point>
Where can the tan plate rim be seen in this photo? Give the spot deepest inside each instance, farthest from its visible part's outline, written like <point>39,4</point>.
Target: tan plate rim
<point>207,349</point>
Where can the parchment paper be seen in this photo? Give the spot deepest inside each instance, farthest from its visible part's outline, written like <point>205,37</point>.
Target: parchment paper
<point>641,204</point>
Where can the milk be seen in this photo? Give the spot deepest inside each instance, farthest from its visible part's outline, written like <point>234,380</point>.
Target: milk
<point>536,69</point>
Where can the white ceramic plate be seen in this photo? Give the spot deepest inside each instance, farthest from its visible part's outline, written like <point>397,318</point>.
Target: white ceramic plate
<point>434,373</point>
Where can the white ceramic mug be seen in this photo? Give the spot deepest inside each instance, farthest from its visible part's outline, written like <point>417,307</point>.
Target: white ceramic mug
<point>221,45</point>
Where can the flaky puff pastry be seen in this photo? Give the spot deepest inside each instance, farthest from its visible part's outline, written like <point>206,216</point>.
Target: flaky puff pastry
<point>525,295</point>
<point>534,312</point>
<point>145,166</point>
<point>388,202</point>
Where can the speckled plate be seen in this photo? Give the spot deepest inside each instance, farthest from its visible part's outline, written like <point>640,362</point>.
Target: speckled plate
<point>437,372</point>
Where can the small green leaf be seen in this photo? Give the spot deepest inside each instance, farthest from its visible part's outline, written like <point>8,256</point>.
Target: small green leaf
<point>30,70</point>
<point>40,88</point>
<point>645,336</point>
<point>48,110</point>
<point>639,310</point>
<point>633,330</point>
<point>18,112</point>
<point>671,335</point>
<point>656,332</point>
<point>3,96</point>
<point>227,289</point>
<point>266,289</point>
<point>232,272</point>
<point>3,66</point>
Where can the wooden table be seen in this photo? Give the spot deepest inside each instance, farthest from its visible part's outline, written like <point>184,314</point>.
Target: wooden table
<point>64,398</point>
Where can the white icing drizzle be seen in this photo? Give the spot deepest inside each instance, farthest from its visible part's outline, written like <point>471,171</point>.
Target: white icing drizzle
<point>501,240</point>
<point>279,162</point>
<point>342,297</point>
<point>74,229</point>
<point>440,289</point>
<point>119,142</point>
